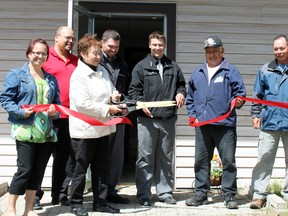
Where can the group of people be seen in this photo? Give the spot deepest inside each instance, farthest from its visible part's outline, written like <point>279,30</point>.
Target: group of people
<point>45,79</point>
<point>89,82</point>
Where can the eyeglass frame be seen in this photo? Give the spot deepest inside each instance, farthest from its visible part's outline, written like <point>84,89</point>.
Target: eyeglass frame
<point>38,54</point>
<point>68,38</point>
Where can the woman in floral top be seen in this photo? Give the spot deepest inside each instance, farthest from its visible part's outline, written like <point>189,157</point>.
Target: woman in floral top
<point>32,131</point>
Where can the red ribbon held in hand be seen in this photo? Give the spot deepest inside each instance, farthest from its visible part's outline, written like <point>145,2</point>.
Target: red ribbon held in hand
<point>232,105</point>
<point>85,118</point>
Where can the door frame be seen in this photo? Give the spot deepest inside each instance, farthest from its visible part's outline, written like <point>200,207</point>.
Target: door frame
<point>165,10</point>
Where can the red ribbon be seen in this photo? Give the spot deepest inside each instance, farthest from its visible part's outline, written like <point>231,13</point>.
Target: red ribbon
<point>87,119</point>
<point>232,105</point>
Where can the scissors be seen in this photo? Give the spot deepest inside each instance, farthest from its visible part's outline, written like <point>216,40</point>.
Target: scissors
<point>128,105</point>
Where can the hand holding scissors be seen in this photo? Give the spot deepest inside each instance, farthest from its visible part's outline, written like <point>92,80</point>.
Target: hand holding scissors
<point>128,105</point>
<point>114,109</point>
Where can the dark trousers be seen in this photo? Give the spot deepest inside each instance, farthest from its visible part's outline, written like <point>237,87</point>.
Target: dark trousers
<point>63,162</point>
<point>62,171</point>
<point>69,175</point>
<point>93,152</point>
<point>224,139</point>
<point>32,159</point>
<point>116,158</point>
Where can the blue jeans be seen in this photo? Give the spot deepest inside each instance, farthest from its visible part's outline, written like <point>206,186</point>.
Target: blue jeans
<point>267,148</point>
<point>224,138</point>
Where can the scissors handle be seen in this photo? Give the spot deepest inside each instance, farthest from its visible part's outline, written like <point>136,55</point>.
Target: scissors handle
<point>123,100</point>
<point>126,105</point>
<point>120,101</point>
<point>125,109</point>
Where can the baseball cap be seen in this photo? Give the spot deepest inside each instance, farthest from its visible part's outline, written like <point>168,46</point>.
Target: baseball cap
<point>212,41</point>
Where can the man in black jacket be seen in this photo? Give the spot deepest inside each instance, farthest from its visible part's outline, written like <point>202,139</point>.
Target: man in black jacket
<point>156,78</point>
<point>120,77</point>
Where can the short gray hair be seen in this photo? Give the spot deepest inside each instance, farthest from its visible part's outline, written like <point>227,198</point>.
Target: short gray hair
<point>110,33</point>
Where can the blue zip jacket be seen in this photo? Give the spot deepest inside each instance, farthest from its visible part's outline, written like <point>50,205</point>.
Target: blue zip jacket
<point>20,89</point>
<point>205,102</point>
<point>271,84</point>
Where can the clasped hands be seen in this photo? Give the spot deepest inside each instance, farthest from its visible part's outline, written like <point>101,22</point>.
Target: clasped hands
<point>52,112</point>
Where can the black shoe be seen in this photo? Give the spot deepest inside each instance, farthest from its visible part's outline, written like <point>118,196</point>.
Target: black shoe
<point>230,202</point>
<point>145,202</point>
<point>37,205</point>
<point>170,201</point>
<point>196,200</point>
<point>54,201</point>
<point>79,211</point>
<point>65,201</point>
<point>105,207</point>
<point>115,198</point>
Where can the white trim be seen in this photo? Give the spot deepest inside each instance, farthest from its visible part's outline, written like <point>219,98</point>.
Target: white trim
<point>70,13</point>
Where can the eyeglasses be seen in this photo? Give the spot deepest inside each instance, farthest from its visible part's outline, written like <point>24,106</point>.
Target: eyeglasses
<point>39,54</point>
<point>69,38</point>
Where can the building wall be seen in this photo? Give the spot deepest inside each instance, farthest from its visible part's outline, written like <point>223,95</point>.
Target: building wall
<point>246,28</point>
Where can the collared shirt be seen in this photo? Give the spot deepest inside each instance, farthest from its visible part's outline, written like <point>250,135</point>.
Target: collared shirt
<point>282,67</point>
<point>62,70</point>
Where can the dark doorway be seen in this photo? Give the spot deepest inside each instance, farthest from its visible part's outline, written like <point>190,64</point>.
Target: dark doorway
<point>134,22</point>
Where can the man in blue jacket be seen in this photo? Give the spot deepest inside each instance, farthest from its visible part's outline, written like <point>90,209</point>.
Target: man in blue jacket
<point>271,84</point>
<point>212,86</point>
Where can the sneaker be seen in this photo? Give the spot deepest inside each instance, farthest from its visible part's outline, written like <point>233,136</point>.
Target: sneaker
<point>196,200</point>
<point>257,203</point>
<point>230,202</point>
<point>37,205</point>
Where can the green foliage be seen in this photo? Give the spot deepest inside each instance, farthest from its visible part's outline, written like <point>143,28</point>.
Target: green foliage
<point>216,172</point>
<point>275,187</point>
<point>216,166</point>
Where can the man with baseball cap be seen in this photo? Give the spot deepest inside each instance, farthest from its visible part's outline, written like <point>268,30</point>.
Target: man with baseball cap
<point>212,86</point>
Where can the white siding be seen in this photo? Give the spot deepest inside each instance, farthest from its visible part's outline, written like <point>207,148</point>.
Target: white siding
<point>246,28</point>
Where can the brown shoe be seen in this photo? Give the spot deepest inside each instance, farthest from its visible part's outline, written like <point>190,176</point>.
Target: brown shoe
<point>257,203</point>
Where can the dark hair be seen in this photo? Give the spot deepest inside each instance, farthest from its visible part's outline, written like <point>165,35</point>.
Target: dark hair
<point>32,44</point>
<point>281,36</point>
<point>157,35</point>
<point>110,33</point>
<point>86,42</point>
